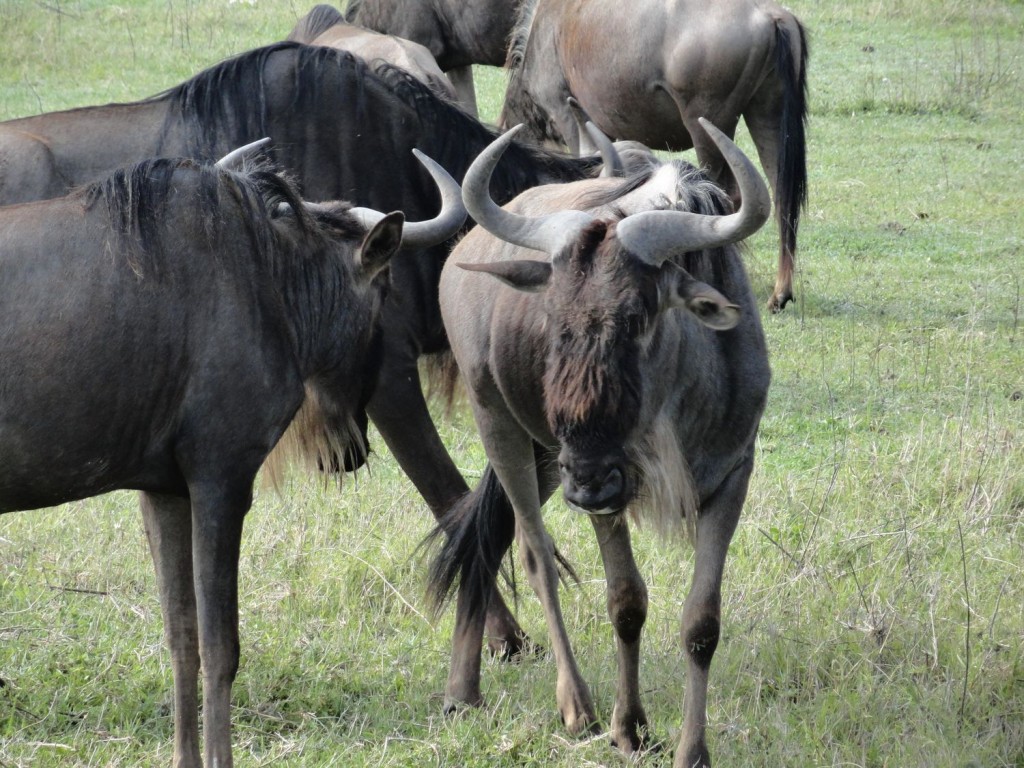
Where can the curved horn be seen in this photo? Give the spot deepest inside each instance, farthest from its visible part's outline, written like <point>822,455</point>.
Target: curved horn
<point>546,233</point>
<point>612,161</point>
<point>656,235</point>
<point>605,148</point>
<point>422,234</point>
<point>233,159</point>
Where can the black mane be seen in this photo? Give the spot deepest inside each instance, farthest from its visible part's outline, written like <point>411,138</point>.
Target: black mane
<point>138,197</point>
<point>225,104</point>
<point>449,124</point>
<point>229,105</point>
<point>519,35</point>
<point>519,106</point>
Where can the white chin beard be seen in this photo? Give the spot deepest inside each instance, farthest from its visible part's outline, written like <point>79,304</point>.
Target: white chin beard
<point>593,512</point>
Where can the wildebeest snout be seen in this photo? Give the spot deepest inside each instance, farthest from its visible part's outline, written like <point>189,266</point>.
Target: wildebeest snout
<point>598,486</point>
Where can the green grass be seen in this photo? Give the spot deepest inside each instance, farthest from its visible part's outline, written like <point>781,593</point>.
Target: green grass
<point>874,595</point>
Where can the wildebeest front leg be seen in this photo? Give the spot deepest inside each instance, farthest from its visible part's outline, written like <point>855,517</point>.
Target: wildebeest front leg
<point>701,625</point>
<point>627,610</point>
<point>399,411</point>
<point>511,453</point>
<point>168,523</point>
<point>217,516</point>
<point>536,551</point>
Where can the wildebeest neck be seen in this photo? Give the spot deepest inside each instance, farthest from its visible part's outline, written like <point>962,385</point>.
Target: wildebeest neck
<point>262,92</point>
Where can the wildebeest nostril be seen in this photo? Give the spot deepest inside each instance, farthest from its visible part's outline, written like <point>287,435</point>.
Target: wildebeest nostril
<point>612,483</point>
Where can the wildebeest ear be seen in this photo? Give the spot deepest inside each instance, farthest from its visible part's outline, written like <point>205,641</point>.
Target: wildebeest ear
<point>381,243</point>
<point>705,303</point>
<point>525,275</point>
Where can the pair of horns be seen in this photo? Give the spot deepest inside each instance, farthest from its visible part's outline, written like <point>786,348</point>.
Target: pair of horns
<point>415,234</point>
<point>653,236</point>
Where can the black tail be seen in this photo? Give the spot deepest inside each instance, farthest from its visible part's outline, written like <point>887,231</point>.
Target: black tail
<point>477,532</point>
<point>791,194</point>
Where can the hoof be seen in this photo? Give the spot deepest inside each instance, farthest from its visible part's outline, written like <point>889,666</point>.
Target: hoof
<point>576,707</point>
<point>630,732</point>
<point>454,707</point>
<point>695,757</point>
<point>778,302</point>
<point>638,742</point>
<point>582,725</point>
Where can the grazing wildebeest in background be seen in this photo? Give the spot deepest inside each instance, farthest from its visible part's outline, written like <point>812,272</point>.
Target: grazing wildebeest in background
<point>161,328</point>
<point>325,25</point>
<point>344,131</point>
<point>459,33</point>
<point>648,70</point>
<point>631,366</point>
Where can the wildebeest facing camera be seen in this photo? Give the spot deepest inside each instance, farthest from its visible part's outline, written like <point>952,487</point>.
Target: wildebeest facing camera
<point>586,337</point>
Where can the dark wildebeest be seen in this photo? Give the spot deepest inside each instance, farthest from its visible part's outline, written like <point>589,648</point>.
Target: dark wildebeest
<point>344,131</point>
<point>631,366</point>
<point>459,33</point>
<point>648,70</point>
<point>325,25</point>
<point>161,328</point>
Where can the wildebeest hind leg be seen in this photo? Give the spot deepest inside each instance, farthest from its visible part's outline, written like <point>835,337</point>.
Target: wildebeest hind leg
<point>627,610</point>
<point>463,686</point>
<point>764,130</point>
<point>168,523</point>
<point>399,411</point>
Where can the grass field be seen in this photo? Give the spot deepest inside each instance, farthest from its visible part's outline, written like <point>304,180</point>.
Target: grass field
<point>874,596</point>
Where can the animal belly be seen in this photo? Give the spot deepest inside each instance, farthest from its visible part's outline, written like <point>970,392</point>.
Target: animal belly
<point>636,112</point>
<point>43,469</point>
<point>67,434</point>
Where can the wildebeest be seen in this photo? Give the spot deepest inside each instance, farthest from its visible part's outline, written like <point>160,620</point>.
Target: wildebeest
<point>630,366</point>
<point>344,130</point>
<point>648,70</point>
<point>459,33</point>
<point>325,25</point>
<point>161,328</point>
